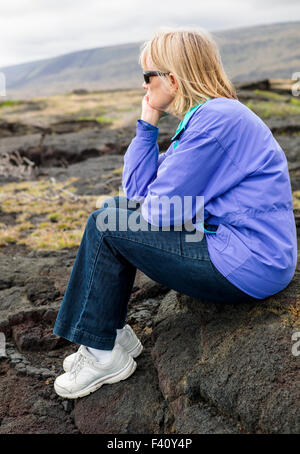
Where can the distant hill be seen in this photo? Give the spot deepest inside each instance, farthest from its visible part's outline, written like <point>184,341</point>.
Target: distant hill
<point>265,51</point>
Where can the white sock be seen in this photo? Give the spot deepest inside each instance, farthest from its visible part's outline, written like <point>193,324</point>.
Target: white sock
<point>119,331</point>
<point>102,356</point>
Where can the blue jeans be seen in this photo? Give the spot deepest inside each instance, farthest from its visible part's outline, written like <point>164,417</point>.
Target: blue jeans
<point>96,298</point>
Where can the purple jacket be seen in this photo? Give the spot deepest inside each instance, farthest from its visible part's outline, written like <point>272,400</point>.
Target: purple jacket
<point>227,154</point>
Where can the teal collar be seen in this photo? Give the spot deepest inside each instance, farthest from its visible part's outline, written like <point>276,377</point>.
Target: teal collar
<point>183,123</point>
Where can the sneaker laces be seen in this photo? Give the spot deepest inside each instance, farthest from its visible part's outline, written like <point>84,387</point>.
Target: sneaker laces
<point>77,364</point>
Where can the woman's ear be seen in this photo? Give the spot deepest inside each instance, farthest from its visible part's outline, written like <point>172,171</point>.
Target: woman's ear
<point>173,81</point>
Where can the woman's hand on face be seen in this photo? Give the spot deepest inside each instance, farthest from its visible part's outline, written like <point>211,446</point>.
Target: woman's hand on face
<point>149,113</point>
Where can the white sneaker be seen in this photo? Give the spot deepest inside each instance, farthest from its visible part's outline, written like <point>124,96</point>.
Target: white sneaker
<point>127,338</point>
<point>87,374</point>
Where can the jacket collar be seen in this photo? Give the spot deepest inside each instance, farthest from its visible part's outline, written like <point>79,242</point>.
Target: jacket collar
<point>183,123</point>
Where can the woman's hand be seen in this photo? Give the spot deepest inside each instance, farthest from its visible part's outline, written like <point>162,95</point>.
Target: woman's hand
<point>149,113</point>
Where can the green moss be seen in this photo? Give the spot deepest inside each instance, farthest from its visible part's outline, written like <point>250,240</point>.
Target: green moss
<point>69,218</point>
<point>64,226</point>
<point>295,101</point>
<point>118,171</point>
<point>54,217</point>
<point>72,189</point>
<point>9,103</point>
<point>269,94</point>
<point>296,200</point>
<point>86,119</point>
<point>99,119</point>
<point>267,109</point>
<point>104,119</point>
<point>44,225</point>
<point>11,239</point>
<point>42,245</point>
<point>24,226</point>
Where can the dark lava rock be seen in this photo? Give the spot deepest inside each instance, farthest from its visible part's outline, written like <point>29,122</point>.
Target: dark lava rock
<point>133,406</point>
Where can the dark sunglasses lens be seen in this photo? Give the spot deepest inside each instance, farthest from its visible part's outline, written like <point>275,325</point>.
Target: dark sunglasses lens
<point>146,78</point>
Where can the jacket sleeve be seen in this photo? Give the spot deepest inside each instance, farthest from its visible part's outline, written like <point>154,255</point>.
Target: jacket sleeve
<point>198,166</point>
<point>141,161</point>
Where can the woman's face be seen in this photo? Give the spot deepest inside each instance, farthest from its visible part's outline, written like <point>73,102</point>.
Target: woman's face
<point>160,96</point>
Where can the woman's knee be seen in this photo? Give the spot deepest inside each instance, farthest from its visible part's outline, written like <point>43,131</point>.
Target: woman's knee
<point>108,219</point>
<point>112,216</point>
<point>116,201</point>
<point>93,219</point>
<point>120,202</point>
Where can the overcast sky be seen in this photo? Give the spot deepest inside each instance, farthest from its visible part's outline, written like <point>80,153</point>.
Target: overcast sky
<point>37,29</point>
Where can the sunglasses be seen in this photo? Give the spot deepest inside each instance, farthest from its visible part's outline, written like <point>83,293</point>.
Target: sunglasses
<point>148,74</point>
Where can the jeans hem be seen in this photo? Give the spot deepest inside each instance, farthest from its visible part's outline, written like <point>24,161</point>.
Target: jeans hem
<point>82,337</point>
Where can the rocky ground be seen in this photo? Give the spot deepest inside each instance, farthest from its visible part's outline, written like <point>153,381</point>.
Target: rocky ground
<point>205,367</point>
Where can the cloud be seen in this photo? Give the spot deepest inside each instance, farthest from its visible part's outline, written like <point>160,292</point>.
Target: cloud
<point>37,29</point>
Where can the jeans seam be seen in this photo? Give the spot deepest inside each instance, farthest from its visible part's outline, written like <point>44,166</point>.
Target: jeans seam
<point>93,266</point>
<point>81,316</point>
<point>91,336</point>
<point>74,331</point>
<point>159,248</point>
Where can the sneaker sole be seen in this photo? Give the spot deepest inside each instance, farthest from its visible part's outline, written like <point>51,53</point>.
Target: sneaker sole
<point>136,351</point>
<point>109,379</point>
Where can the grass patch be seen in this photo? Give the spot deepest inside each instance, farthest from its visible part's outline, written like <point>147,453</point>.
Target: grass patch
<point>8,235</point>
<point>9,103</point>
<point>267,109</point>
<point>114,173</point>
<point>118,171</point>
<point>99,119</point>
<point>296,200</point>
<point>87,119</point>
<point>64,214</point>
<point>102,119</point>
<point>295,102</point>
<point>283,132</point>
<point>24,226</point>
<point>270,95</point>
<point>54,217</point>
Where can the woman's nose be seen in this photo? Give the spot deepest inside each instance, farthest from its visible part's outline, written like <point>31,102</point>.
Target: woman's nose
<point>145,86</point>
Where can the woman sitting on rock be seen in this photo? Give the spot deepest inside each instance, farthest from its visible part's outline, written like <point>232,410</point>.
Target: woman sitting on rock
<point>212,217</point>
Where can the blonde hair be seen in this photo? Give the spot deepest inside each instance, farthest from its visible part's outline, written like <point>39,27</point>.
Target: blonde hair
<point>193,56</point>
